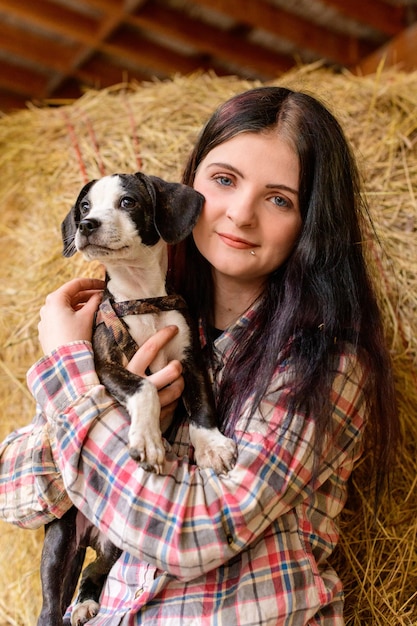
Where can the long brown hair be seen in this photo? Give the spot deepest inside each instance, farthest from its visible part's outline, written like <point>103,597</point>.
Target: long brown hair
<point>323,294</point>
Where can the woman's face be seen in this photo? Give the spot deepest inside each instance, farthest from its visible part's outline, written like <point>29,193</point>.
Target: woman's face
<point>251,218</point>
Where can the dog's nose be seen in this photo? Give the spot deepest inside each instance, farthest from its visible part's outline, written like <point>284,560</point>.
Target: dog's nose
<point>87,227</point>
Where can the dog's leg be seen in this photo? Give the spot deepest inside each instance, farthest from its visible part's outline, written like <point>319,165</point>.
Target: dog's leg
<point>145,437</point>
<point>61,565</point>
<point>140,397</point>
<point>94,576</point>
<point>211,447</point>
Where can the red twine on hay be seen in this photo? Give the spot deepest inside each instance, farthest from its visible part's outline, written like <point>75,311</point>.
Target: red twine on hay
<point>76,147</point>
<point>135,136</point>
<point>96,146</point>
<point>92,135</point>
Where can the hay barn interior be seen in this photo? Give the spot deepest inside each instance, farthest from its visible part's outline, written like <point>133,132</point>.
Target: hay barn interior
<point>51,50</point>
<point>89,87</point>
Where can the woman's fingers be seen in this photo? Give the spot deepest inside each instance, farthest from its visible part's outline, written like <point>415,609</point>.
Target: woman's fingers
<point>77,290</point>
<point>168,397</point>
<point>166,377</point>
<point>168,380</point>
<point>172,391</point>
<point>75,294</point>
<point>68,313</point>
<point>148,352</point>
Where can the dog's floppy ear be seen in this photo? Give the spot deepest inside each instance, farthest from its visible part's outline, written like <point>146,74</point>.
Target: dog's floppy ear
<point>177,208</point>
<point>70,224</point>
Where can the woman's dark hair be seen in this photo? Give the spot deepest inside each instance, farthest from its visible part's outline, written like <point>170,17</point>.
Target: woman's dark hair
<point>323,293</point>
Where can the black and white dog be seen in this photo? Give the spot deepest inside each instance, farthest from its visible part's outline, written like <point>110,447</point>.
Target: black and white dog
<point>125,221</point>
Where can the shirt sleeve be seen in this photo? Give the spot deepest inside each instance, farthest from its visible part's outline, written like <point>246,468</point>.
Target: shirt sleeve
<point>187,521</point>
<point>32,491</point>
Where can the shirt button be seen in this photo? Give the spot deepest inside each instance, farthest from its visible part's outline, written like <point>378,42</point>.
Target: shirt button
<point>229,539</point>
<point>138,592</point>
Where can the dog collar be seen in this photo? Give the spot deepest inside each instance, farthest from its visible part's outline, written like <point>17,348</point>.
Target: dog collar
<point>148,305</point>
<point>111,314</point>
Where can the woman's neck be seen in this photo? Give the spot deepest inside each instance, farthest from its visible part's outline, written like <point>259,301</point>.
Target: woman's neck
<point>232,299</point>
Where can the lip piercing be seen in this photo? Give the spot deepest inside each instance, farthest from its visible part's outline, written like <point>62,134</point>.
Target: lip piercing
<point>252,252</point>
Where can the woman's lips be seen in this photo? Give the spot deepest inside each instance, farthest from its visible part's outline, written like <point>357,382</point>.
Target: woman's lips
<point>235,242</point>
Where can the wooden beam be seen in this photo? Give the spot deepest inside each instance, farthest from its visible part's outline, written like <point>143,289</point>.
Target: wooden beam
<point>386,18</point>
<point>144,53</point>
<point>335,47</point>
<point>22,81</point>
<point>29,46</point>
<point>208,39</point>
<point>115,7</point>
<point>400,51</point>
<point>53,18</point>
<point>101,71</point>
<point>11,102</point>
<point>109,35</point>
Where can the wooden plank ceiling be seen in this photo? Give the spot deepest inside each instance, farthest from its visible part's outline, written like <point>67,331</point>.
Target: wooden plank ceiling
<point>50,50</point>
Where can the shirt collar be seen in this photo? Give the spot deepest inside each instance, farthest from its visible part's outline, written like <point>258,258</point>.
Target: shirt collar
<point>225,342</point>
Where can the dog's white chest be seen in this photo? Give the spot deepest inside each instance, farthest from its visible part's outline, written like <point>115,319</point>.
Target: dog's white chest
<point>145,325</point>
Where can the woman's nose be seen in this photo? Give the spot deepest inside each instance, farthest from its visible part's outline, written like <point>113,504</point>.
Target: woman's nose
<point>241,211</point>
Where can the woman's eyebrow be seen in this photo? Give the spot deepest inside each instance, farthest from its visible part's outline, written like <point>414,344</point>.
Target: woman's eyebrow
<point>226,166</point>
<point>283,187</point>
<point>234,169</point>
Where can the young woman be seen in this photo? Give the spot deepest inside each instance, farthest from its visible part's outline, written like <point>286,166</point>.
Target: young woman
<point>290,328</point>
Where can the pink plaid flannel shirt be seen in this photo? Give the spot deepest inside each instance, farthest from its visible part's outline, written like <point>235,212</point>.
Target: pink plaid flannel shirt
<point>249,548</point>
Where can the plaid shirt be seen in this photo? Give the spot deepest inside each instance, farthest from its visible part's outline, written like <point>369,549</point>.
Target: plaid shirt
<point>249,548</point>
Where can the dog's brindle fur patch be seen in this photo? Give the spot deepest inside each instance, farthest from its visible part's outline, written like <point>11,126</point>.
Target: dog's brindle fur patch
<point>125,221</point>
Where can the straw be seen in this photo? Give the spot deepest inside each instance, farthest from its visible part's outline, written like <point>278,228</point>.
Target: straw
<point>46,155</point>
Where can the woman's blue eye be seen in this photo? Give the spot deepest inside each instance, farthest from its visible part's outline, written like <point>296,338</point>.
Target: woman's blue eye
<point>280,201</point>
<point>224,180</point>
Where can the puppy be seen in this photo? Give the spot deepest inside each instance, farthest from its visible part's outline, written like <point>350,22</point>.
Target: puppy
<point>126,221</point>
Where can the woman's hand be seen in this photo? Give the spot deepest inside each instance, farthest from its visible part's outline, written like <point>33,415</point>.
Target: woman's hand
<point>68,313</point>
<point>168,380</point>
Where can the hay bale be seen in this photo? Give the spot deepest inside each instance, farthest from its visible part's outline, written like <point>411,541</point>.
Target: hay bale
<point>47,154</point>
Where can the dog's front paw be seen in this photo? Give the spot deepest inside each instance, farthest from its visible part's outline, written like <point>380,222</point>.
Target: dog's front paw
<point>148,450</point>
<point>84,611</point>
<point>212,449</point>
<point>145,438</point>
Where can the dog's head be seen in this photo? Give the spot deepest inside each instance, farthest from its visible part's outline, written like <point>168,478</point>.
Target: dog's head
<point>115,214</point>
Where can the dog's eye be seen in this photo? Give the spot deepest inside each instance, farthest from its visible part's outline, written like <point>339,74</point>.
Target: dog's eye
<point>127,202</point>
<point>84,207</point>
